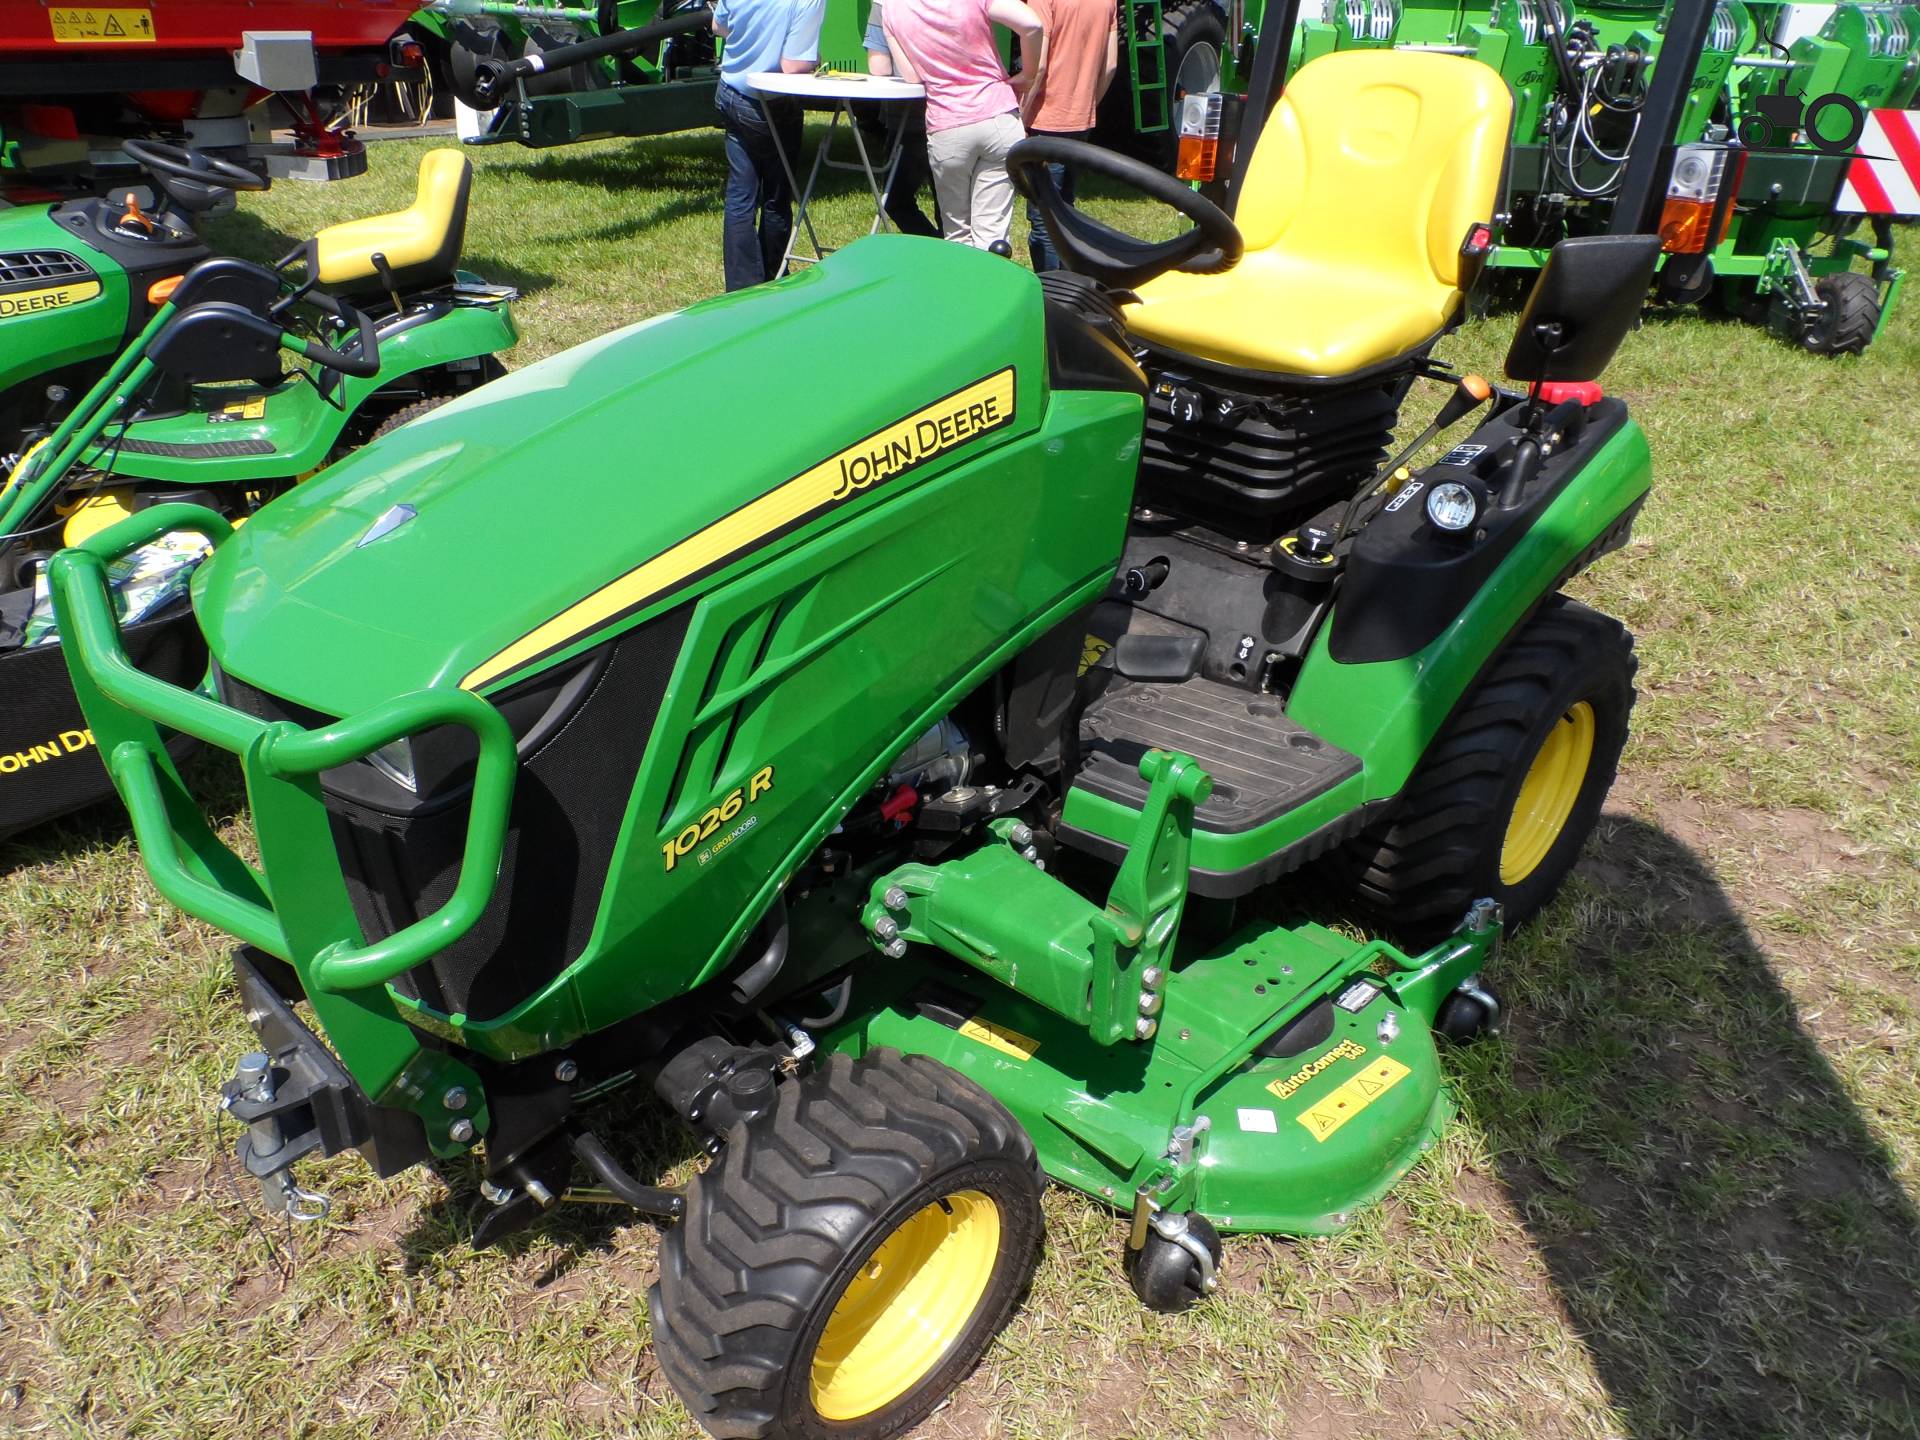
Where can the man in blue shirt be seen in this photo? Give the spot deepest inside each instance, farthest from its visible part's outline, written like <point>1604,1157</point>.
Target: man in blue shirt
<point>761,35</point>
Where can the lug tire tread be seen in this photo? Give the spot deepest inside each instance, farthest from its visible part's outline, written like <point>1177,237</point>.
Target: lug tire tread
<point>1412,870</point>
<point>860,1133</point>
<point>1854,311</point>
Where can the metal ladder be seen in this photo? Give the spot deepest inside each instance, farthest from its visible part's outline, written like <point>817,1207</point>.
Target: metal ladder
<point>1146,65</point>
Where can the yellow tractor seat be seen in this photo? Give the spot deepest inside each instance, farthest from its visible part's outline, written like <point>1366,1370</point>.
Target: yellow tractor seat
<point>421,243</point>
<point>1362,189</point>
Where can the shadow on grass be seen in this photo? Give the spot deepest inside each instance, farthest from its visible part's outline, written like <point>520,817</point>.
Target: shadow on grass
<point>1725,1231</point>
<point>213,777</point>
<point>650,1142</point>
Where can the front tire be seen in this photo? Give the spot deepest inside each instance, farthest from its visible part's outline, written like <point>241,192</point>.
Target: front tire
<point>851,1255</point>
<point>1511,787</point>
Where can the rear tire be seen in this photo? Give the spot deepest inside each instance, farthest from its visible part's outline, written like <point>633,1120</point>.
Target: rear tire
<point>1511,787</point>
<point>407,412</point>
<point>777,1312</point>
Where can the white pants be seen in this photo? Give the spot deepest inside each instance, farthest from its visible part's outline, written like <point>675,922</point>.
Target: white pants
<point>970,178</point>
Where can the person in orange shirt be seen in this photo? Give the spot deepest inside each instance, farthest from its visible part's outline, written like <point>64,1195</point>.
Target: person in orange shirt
<point>1083,51</point>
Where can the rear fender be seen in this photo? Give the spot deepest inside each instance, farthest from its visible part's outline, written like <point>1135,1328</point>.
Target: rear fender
<point>1388,710</point>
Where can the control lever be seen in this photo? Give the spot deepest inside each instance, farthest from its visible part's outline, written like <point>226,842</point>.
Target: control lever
<point>385,272</point>
<point>1469,393</point>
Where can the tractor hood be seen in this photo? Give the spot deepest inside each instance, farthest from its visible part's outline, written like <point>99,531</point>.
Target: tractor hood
<point>603,483</point>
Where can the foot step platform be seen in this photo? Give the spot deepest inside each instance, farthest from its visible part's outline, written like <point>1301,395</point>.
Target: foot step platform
<point>1262,763</point>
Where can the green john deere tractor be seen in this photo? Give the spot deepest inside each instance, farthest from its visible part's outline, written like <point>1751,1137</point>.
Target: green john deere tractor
<point>893,784</point>
<point>200,407</point>
<point>79,278</point>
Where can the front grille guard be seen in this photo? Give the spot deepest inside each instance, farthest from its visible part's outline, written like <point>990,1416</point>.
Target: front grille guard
<point>296,905</point>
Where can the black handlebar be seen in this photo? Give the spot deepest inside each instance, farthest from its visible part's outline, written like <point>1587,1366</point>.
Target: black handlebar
<point>491,78</point>
<point>364,361</point>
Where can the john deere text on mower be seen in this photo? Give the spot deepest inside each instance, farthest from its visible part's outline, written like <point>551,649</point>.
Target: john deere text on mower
<point>198,408</point>
<point>847,783</point>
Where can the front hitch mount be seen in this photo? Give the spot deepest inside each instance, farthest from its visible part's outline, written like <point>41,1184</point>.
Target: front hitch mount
<point>260,1094</point>
<point>296,1098</point>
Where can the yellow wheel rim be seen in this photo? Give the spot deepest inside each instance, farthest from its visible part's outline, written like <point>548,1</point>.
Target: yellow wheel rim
<point>907,1307</point>
<point>1548,793</point>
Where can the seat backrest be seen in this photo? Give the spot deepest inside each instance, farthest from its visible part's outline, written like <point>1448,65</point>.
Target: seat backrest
<point>1380,159</point>
<point>421,243</point>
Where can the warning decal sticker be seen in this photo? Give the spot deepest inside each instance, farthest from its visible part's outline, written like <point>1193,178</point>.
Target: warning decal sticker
<point>999,1037</point>
<point>1350,1097</point>
<point>77,25</point>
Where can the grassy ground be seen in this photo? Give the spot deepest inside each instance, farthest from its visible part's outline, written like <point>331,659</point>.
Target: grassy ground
<point>1681,1200</point>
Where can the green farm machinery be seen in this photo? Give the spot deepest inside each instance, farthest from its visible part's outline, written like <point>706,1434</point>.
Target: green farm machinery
<point>145,371</point>
<point>662,81</point>
<point>1770,106</point>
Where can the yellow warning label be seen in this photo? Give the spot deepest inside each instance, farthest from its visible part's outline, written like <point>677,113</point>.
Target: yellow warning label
<point>54,297</point>
<point>999,1037</point>
<point>1350,1097</point>
<point>87,26</point>
<point>251,409</point>
<point>1091,650</point>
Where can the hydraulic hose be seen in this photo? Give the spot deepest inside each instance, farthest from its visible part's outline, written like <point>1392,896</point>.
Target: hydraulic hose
<point>491,78</point>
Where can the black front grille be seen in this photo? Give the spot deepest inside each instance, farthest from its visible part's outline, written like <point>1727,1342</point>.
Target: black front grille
<point>24,269</point>
<point>1258,464</point>
<point>569,799</point>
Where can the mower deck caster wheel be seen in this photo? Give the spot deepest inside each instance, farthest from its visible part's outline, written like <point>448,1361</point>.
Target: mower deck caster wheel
<point>1179,1264</point>
<point>1468,1015</point>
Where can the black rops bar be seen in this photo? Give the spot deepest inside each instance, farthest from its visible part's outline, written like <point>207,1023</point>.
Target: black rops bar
<point>1267,78</point>
<point>1643,183</point>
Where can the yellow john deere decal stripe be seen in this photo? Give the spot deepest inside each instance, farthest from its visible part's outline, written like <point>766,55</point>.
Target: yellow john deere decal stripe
<point>54,297</point>
<point>902,446</point>
<point>1350,1097</point>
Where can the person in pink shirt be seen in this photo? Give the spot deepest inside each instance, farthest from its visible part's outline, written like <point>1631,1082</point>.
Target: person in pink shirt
<point>974,112</point>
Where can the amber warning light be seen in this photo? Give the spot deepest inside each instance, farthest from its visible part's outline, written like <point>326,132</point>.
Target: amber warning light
<point>1199,155</point>
<point>1699,205</point>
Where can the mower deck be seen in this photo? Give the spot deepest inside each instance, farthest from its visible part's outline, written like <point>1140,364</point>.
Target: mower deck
<point>1302,1066</point>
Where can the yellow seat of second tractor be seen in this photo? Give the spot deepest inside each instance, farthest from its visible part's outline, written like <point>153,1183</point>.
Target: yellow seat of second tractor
<point>421,243</point>
<point>1363,188</point>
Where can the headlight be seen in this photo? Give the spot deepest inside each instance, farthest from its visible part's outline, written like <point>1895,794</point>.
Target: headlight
<point>434,768</point>
<point>1452,506</point>
<point>395,761</point>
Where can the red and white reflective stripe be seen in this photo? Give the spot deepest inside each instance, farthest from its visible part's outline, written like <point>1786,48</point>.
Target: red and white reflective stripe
<point>1884,177</point>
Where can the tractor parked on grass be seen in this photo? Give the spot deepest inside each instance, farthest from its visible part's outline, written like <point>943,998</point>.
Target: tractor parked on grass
<point>199,407</point>
<point>895,790</point>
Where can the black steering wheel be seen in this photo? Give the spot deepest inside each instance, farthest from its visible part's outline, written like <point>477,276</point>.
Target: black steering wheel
<point>192,177</point>
<point>1104,253</point>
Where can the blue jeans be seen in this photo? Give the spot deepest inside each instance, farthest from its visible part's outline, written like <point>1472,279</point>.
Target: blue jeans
<point>1039,243</point>
<point>759,201</point>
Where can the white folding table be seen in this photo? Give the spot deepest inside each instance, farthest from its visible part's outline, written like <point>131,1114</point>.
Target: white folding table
<point>835,92</point>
